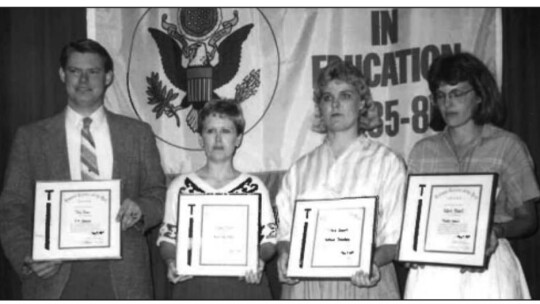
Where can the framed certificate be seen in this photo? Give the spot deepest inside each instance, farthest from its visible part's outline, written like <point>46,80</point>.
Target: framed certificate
<point>332,237</point>
<point>447,218</point>
<point>75,220</point>
<point>218,235</point>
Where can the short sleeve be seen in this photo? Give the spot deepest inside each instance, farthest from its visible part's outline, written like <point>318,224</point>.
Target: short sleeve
<point>391,201</point>
<point>285,205</point>
<point>268,222</point>
<point>417,156</point>
<point>518,179</point>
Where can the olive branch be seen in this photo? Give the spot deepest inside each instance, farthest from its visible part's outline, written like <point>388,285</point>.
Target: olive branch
<point>159,96</point>
<point>249,86</point>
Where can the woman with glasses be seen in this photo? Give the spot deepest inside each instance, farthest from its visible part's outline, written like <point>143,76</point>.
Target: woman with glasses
<point>468,100</point>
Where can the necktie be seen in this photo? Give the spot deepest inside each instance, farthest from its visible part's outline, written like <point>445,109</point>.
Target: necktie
<point>89,167</point>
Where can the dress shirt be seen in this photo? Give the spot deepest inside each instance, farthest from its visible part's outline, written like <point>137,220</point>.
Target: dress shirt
<point>101,135</point>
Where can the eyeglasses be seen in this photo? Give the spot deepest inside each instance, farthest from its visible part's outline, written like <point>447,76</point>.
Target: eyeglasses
<point>454,95</point>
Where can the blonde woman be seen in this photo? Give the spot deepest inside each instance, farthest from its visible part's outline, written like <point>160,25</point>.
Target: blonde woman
<point>221,127</point>
<point>348,163</point>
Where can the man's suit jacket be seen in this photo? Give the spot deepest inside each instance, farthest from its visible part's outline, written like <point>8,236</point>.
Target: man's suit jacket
<point>39,152</point>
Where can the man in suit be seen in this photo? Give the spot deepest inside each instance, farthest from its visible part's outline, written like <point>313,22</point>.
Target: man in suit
<point>84,142</point>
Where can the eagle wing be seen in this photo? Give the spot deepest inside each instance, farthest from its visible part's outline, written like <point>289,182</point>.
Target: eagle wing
<point>171,58</point>
<point>230,53</point>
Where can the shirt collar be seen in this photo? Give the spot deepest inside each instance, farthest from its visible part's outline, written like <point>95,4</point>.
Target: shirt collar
<point>75,119</point>
<point>359,141</point>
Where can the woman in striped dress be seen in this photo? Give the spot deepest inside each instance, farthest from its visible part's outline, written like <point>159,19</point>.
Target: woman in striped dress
<point>347,164</point>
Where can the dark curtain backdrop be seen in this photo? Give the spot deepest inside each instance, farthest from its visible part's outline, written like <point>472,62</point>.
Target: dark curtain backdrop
<point>521,92</point>
<point>31,39</point>
<point>30,43</point>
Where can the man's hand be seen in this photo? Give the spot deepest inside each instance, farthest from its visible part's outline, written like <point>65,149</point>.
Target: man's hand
<point>43,270</point>
<point>129,214</point>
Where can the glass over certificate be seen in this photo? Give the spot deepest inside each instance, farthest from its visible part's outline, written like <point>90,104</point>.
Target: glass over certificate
<point>332,237</point>
<point>224,239</point>
<point>447,218</point>
<point>452,218</point>
<point>84,219</point>
<point>75,220</point>
<point>338,238</point>
<point>217,234</point>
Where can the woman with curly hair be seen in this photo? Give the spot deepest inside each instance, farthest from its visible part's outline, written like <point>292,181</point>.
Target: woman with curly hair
<point>347,164</point>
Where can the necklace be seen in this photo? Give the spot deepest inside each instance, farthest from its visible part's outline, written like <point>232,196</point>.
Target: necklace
<point>464,152</point>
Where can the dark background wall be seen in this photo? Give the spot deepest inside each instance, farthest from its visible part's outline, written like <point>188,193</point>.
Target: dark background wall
<point>31,39</point>
<point>521,92</point>
<point>30,42</point>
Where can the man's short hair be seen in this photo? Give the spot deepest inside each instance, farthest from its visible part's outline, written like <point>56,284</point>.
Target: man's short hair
<point>86,46</point>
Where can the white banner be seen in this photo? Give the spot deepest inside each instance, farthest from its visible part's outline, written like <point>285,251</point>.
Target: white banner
<point>269,59</point>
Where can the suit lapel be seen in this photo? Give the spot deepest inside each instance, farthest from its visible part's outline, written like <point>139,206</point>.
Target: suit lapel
<point>118,142</point>
<point>55,148</point>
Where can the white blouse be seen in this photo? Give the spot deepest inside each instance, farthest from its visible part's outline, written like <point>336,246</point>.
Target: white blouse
<point>191,183</point>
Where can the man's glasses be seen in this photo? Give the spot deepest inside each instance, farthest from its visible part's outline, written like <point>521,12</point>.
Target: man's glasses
<point>452,95</point>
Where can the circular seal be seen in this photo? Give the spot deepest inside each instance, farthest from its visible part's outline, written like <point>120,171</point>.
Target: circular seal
<point>242,56</point>
<point>198,24</point>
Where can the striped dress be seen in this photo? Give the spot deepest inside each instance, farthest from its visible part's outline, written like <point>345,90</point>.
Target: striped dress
<point>366,168</point>
<point>498,151</point>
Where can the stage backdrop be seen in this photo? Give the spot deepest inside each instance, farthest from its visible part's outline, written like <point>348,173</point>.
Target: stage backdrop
<point>170,61</point>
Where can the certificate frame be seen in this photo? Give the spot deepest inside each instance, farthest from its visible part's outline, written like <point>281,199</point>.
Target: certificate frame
<point>332,238</point>
<point>210,244</point>
<point>76,220</point>
<point>447,218</point>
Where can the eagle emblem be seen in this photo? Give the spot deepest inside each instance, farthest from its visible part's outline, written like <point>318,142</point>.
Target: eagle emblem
<point>199,54</point>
